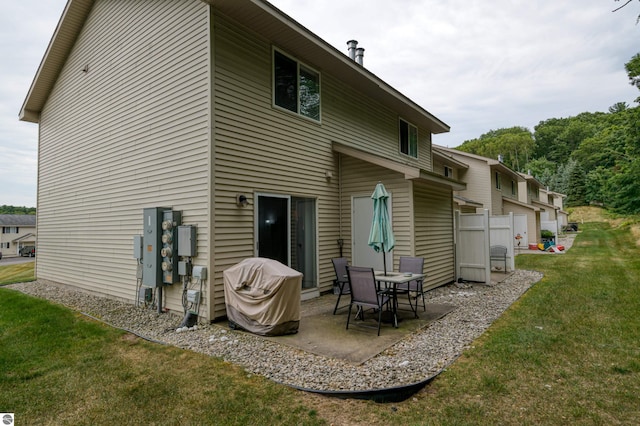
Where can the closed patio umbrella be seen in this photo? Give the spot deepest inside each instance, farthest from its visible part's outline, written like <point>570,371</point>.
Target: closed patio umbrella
<point>381,237</point>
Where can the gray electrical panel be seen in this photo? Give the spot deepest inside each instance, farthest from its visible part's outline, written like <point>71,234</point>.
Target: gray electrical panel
<point>159,253</point>
<point>137,247</point>
<point>187,240</point>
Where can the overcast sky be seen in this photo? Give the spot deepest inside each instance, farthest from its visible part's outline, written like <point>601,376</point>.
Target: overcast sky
<point>476,65</point>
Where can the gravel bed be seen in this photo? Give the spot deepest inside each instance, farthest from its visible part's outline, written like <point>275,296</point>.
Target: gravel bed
<point>419,356</point>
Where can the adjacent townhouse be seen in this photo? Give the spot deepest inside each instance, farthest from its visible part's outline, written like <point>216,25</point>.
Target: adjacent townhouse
<point>501,191</point>
<point>448,166</point>
<point>233,118</point>
<point>18,231</point>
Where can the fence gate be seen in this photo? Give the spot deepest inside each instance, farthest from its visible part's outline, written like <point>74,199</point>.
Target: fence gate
<point>472,247</point>
<point>502,233</point>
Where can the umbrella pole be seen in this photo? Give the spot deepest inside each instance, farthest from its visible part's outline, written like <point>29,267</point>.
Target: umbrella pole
<point>384,260</point>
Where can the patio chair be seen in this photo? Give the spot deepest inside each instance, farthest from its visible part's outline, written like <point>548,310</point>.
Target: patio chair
<point>499,254</point>
<point>365,293</point>
<point>413,289</point>
<point>341,283</point>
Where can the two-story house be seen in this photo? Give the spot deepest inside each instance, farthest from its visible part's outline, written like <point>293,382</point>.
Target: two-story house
<point>18,230</point>
<point>267,140</point>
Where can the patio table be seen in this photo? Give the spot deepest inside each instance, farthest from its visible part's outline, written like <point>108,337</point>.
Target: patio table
<point>395,278</point>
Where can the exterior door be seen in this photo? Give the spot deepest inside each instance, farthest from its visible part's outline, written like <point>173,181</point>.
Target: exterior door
<point>363,254</point>
<point>273,228</point>
<point>303,223</point>
<point>286,232</point>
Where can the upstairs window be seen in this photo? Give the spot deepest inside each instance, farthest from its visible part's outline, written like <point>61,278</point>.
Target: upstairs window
<point>514,188</point>
<point>498,181</point>
<point>296,88</point>
<point>408,139</point>
<point>448,172</point>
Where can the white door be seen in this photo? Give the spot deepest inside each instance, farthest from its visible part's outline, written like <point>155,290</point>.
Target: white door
<point>472,247</point>
<point>363,254</point>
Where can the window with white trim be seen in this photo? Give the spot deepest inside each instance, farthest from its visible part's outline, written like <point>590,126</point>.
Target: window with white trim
<point>448,172</point>
<point>498,181</point>
<point>408,139</point>
<point>296,87</point>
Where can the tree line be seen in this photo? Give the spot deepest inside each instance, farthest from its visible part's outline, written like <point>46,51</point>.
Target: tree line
<point>593,158</point>
<point>5,209</point>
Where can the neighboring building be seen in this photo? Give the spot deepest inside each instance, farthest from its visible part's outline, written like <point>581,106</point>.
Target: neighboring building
<point>556,200</point>
<point>261,134</point>
<point>18,230</point>
<point>489,182</point>
<point>449,167</point>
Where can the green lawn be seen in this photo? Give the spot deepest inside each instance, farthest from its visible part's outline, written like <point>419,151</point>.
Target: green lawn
<point>566,353</point>
<point>17,273</point>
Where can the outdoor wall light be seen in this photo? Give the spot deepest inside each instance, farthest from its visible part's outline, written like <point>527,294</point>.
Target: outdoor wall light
<point>241,200</point>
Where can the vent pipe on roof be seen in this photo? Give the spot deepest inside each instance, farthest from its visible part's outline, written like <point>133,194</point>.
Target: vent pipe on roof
<point>352,45</point>
<point>360,56</point>
<point>500,158</point>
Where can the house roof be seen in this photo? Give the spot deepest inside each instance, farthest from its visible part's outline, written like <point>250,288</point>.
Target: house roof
<point>495,164</point>
<point>17,220</point>
<point>30,237</point>
<point>260,17</point>
<point>521,204</point>
<point>463,201</point>
<point>410,172</point>
<point>448,159</point>
<point>533,180</point>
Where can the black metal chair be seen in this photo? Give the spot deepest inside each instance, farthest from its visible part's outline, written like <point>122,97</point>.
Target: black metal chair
<point>365,293</point>
<point>341,282</point>
<point>413,288</point>
<point>499,254</point>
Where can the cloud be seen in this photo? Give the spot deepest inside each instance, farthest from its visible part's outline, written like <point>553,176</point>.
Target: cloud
<point>476,65</point>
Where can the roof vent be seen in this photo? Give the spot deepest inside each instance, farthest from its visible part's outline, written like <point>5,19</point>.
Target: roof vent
<point>352,45</point>
<point>360,55</point>
<point>500,158</point>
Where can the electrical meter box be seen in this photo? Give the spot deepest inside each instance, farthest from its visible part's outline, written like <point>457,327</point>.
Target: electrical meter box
<point>137,246</point>
<point>187,241</point>
<point>159,250</point>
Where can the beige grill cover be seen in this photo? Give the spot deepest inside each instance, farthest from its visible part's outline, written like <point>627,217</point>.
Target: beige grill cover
<point>263,296</point>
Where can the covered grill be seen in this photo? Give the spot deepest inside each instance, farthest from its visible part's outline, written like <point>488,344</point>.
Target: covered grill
<point>262,296</point>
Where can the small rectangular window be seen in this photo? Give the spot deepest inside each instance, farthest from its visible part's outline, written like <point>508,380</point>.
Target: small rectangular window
<point>498,181</point>
<point>514,187</point>
<point>408,139</point>
<point>296,88</point>
<point>448,171</point>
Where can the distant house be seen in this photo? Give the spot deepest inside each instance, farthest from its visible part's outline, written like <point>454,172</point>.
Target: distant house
<point>449,167</point>
<point>489,182</point>
<point>18,230</point>
<point>265,138</point>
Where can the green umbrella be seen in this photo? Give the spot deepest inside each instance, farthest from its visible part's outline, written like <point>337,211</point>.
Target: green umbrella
<point>381,237</point>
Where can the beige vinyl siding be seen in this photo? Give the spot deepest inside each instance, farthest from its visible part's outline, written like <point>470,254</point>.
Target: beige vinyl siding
<point>478,180</point>
<point>434,233</point>
<point>262,149</point>
<point>130,133</point>
<point>359,179</point>
<point>496,194</point>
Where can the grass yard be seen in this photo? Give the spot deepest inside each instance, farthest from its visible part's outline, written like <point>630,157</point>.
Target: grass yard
<point>567,352</point>
<point>17,273</point>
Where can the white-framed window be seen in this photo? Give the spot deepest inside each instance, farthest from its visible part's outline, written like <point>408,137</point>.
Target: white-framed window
<point>514,187</point>
<point>448,172</point>
<point>296,87</point>
<point>408,139</point>
<point>498,181</point>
